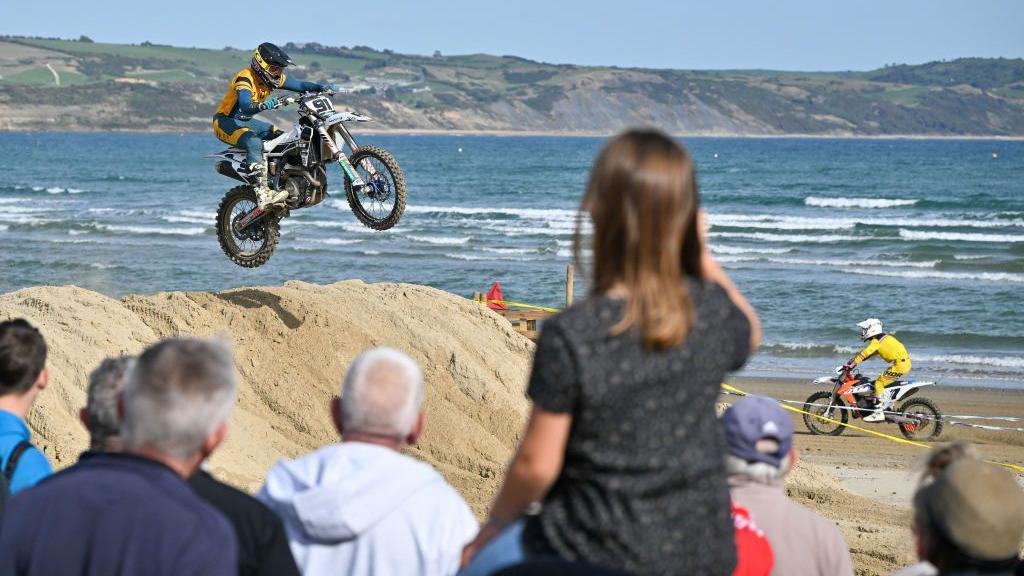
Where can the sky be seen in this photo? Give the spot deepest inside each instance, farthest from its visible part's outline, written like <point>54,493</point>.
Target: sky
<point>741,34</point>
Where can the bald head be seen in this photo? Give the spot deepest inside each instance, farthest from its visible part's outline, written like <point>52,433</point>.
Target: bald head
<point>382,394</point>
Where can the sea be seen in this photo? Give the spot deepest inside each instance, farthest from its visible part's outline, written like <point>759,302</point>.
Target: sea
<point>927,235</point>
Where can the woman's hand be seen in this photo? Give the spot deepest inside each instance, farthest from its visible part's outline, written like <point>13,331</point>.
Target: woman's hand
<point>485,535</point>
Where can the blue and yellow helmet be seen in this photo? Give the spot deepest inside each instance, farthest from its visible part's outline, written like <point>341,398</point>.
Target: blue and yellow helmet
<point>269,62</point>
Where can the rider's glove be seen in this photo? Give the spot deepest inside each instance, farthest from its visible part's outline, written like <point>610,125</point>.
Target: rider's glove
<point>332,88</point>
<point>848,366</point>
<point>268,104</point>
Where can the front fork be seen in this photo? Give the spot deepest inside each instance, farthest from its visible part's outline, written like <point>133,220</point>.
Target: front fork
<point>340,158</point>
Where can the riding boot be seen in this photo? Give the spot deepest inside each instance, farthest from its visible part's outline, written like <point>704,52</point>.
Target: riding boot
<point>879,414</point>
<point>265,197</point>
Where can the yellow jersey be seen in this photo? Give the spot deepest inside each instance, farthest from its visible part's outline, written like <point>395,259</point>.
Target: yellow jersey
<point>887,347</point>
<point>244,80</point>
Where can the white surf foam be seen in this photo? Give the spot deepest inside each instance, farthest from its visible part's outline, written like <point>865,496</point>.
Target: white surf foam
<point>857,202</point>
<point>942,275</point>
<point>339,241</point>
<point>959,236</point>
<point>186,220</point>
<point>719,249</point>
<point>1001,362</point>
<point>152,230</point>
<point>969,256</point>
<point>790,238</point>
<point>439,240</point>
<point>530,213</point>
<point>4,227</point>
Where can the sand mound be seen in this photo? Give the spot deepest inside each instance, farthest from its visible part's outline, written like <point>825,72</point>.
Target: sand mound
<point>292,345</point>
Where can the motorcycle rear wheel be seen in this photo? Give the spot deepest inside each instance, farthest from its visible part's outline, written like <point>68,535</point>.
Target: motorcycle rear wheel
<point>257,246</point>
<point>817,404</point>
<point>382,206</point>
<point>931,421</point>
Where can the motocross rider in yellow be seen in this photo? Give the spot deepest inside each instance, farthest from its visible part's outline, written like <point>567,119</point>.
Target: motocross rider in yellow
<point>889,349</point>
<point>248,95</point>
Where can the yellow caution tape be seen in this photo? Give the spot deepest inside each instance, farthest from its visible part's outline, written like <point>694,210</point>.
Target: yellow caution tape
<point>527,306</point>
<point>735,390</point>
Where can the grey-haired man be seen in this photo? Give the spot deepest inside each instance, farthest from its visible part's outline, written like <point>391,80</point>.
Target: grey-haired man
<point>759,435</point>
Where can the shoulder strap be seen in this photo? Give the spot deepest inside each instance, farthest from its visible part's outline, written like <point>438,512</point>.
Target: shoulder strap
<point>12,460</point>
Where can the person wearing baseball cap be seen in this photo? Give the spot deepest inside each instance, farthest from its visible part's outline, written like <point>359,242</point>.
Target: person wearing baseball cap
<point>759,437</point>
<point>969,521</point>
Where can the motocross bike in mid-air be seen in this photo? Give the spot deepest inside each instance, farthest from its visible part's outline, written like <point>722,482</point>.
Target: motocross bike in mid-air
<point>852,396</point>
<point>297,162</point>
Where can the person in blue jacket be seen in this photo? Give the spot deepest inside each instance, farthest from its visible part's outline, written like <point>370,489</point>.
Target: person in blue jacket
<point>23,375</point>
<point>250,94</point>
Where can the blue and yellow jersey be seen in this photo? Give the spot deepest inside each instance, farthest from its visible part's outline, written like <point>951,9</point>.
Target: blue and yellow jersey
<point>257,90</point>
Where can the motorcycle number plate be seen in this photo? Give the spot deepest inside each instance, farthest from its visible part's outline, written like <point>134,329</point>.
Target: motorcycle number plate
<point>320,104</point>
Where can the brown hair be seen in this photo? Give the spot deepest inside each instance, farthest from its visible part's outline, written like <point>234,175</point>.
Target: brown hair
<point>642,198</point>
<point>22,356</point>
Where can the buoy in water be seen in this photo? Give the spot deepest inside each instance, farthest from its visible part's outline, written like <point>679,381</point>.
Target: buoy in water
<point>716,155</point>
<point>460,150</point>
<point>995,155</point>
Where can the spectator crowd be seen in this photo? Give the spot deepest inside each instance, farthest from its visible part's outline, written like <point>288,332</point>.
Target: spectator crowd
<point>623,466</point>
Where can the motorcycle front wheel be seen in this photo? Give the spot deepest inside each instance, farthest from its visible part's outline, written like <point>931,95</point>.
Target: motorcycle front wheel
<point>379,204</point>
<point>254,245</point>
<point>817,405</point>
<point>929,419</point>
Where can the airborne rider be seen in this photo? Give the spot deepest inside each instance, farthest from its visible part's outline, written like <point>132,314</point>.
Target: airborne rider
<point>248,95</point>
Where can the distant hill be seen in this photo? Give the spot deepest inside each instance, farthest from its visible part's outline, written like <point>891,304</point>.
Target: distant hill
<point>52,84</point>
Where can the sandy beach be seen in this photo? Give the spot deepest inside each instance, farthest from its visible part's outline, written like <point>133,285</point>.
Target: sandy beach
<point>293,343</point>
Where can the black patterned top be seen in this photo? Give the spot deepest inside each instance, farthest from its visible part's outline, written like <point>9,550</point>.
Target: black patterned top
<point>643,486</point>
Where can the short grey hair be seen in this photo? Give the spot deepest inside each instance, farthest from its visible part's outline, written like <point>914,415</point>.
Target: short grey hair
<point>759,472</point>
<point>105,385</point>
<point>382,394</point>
<point>179,392</point>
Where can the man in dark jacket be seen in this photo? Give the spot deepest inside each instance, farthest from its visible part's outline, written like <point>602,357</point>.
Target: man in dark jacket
<point>262,545</point>
<point>969,520</point>
<point>131,512</point>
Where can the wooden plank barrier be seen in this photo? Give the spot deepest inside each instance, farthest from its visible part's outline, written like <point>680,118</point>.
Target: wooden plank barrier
<point>525,321</point>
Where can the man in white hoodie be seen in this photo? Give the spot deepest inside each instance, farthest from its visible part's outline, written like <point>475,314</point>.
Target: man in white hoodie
<point>361,507</point>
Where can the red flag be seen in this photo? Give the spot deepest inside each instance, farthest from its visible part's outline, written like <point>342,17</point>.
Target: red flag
<point>495,294</point>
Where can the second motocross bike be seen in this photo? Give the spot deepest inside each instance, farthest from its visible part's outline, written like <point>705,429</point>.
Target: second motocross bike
<point>297,162</point>
<point>852,396</point>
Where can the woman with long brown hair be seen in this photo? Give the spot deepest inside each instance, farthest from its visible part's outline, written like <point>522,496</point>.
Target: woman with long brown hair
<point>622,448</point>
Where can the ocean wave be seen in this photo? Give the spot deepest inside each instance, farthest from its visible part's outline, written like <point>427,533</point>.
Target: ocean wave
<point>818,202</point>
<point>57,190</point>
<point>791,238</point>
<point>959,236</point>
<point>529,213</point>
<point>969,256</point>
<point>997,361</point>
<point>147,230</point>
<point>480,257</point>
<point>187,220</point>
<point>4,227</point>
<point>807,349</point>
<point>319,223</point>
<point>940,275</point>
<point>338,241</point>
<point>439,240</point>
<point>370,252</point>
<point>719,249</point>
<point>780,222</point>
<point>509,250</point>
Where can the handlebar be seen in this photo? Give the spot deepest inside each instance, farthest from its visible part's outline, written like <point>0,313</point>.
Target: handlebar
<point>289,100</point>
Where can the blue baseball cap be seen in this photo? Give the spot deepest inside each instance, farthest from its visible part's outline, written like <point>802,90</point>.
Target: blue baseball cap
<point>756,418</point>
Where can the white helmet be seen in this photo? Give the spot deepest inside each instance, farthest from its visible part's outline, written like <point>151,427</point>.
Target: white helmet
<point>870,328</point>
